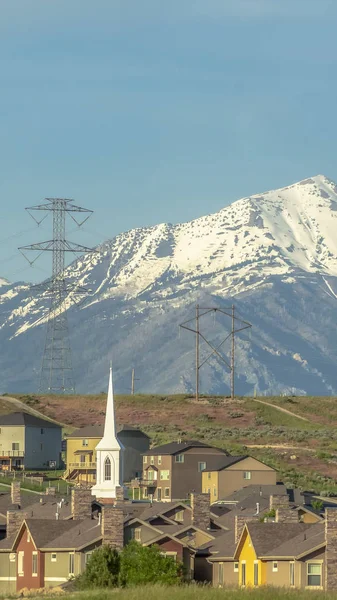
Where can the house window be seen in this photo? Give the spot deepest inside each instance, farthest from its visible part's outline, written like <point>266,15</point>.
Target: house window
<point>34,564</point>
<point>41,447</point>
<point>145,493</point>
<point>292,574</point>
<point>243,574</point>
<point>314,574</point>
<point>152,460</point>
<point>167,492</point>
<point>85,442</point>
<point>179,458</point>
<point>256,573</point>
<point>214,492</point>
<point>137,534</point>
<point>165,474</point>
<point>275,566</point>
<point>151,475</point>
<point>144,460</point>
<point>53,557</point>
<point>71,563</point>
<point>12,556</point>
<point>201,466</point>
<point>209,491</point>
<point>15,446</point>
<point>42,431</point>
<point>87,557</point>
<point>20,563</point>
<point>107,469</point>
<point>221,573</point>
<point>247,474</point>
<point>236,567</point>
<point>209,475</point>
<point>172,555</point>
<point>159,460</point>
<point>179,516</point>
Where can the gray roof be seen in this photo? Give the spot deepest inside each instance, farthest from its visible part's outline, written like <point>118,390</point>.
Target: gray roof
<point>178,448</point>
<point>26,419</point>
<point>266,536</point>
<point>96,431</point>
<point>256,490</point>
<point>222,462</point>
<point>305,541</point>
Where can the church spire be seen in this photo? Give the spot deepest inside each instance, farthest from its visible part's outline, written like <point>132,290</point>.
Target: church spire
<point>108,450</point>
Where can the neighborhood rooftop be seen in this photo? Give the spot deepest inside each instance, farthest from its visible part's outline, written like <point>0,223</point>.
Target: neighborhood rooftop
<point>177,447</point>
<point>26,419</point>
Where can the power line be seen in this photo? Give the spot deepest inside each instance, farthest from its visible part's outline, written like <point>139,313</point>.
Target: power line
<point>56,371</point>
<point>237,325</point>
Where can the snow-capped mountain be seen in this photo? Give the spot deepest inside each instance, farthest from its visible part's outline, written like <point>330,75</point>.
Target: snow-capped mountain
<point>274,255</point>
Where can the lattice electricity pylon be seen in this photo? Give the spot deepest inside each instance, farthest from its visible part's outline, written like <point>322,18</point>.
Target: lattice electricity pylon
<point>56,371</point>
<point>229,312</point>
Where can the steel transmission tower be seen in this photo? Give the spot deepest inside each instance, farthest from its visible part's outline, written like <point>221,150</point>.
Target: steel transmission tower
<point>56,371</point>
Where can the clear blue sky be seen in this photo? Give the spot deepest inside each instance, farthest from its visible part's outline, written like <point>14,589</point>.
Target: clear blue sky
<point>159,110</point>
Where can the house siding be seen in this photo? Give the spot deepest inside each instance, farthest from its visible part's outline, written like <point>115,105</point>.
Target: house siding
<point>27,579</point>
<point>37,457</point>
<point>186,477</point>
<point>11,434</point>
<point>7,574</point>
<point>230,577</point>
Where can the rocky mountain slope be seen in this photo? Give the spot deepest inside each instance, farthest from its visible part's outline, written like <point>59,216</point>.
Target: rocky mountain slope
<point>274,255</point>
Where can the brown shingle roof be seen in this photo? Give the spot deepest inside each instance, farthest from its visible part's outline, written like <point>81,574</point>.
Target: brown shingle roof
<point>179,447</point>
<point>96,431</point>
<point>305,541</point>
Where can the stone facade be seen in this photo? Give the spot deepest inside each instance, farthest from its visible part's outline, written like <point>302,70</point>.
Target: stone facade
<point>81,500</point>
<point>240,522</point>
<point>113,526</point>
<point>331,549</point>
<point>50,491</point>
<point>15,518</point>
<point>200,505</point>
<point>16,492</point>
<point>119,494</point>
<point>278,502</point>
<point>286,515</point>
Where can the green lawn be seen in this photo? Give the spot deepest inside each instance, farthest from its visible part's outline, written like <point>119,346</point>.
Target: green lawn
<point>194,592</point>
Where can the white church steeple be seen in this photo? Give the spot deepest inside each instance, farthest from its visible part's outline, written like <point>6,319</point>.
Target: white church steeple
<point>108,453</point>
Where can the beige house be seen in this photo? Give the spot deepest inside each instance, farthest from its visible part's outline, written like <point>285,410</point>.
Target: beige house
<point>233,473</point>
<point>29,442</point>
<point>173,471</point>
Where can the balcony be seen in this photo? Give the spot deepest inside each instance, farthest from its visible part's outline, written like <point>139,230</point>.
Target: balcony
<point>11,454</point>
<point>82,465</point>
<point>141,482</point>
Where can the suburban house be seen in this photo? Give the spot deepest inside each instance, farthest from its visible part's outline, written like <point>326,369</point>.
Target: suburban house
<point>232,473</point>
<point>29,442</point>
<point>81,452</point>
<point>173,471</point>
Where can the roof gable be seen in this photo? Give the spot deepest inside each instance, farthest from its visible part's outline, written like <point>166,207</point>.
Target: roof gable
<point>179,448</point>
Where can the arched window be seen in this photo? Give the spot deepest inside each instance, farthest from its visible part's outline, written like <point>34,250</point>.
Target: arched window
<point>107,469</point>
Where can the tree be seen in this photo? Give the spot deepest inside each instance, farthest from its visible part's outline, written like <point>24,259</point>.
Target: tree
<point>141,565</point>
<point>102,569</point>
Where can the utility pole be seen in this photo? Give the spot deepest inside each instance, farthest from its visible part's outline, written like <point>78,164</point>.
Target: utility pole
<point>237,325</point>
<point>197,347</point>
<point>133,379</point>
<point>56,371</point>
<point>233,353</point>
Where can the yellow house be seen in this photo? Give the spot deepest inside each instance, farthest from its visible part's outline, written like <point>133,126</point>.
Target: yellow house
<point>233,473</point>
<point>81,452</point>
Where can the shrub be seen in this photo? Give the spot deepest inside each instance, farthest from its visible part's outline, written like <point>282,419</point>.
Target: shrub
<point>102,570</point>
<point>141,565</point>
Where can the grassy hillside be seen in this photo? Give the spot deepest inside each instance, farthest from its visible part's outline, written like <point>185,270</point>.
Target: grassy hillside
<point>296,435</point>
<point>197,593</point>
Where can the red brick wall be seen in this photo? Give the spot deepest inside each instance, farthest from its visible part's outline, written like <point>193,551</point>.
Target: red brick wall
<point>27,580</point>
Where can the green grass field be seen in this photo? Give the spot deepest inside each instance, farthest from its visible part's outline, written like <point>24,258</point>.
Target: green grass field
<point>194,592</point>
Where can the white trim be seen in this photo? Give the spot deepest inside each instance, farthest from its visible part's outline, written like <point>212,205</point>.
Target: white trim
<point>7,578</point>
<point>54,578</point>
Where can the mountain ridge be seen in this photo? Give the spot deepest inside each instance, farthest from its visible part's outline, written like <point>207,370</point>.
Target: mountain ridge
<point>147,280</point>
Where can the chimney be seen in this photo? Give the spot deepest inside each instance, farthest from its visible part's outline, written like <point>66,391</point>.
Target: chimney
<point>81,501</point>
<point>16,492</point>
<point>286,515</point>
<point>112,526</point>
<point>119,494</point>
<point>278,501</point>
<point>330,549</point>
<point>15,518</point>
<point>200,505</point>
<point>240,522</point>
